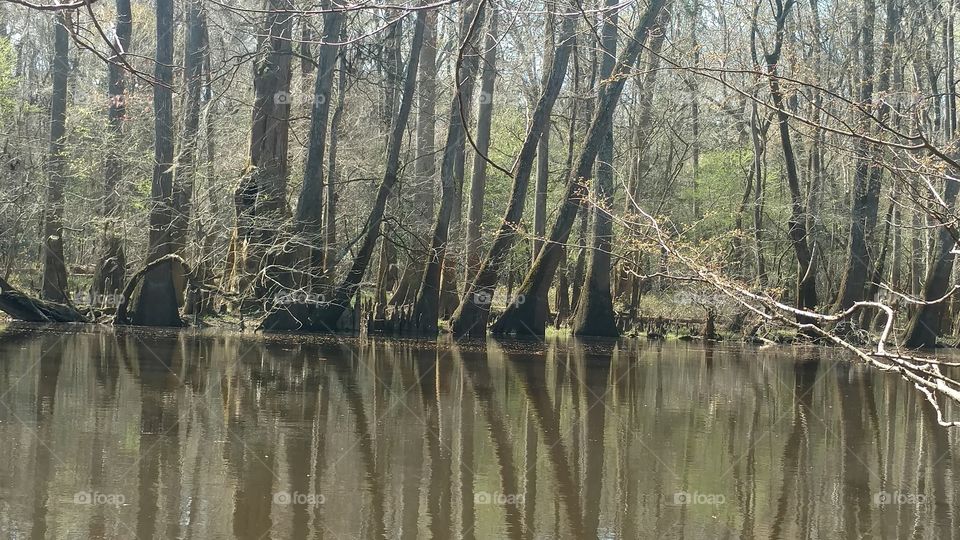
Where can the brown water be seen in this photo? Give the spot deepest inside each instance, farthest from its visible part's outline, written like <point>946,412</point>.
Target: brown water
<point>149,435</point>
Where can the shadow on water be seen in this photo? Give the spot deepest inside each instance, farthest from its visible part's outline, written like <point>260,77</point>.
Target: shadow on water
<point>122,434</point>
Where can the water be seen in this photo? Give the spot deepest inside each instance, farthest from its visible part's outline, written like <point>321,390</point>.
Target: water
<point>121,434</point>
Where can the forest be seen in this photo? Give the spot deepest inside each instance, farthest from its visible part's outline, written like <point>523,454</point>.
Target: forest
<point>479,269</point>
<point>768,171</point>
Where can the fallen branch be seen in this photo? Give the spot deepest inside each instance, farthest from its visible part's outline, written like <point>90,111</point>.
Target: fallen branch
<point>922,372</point>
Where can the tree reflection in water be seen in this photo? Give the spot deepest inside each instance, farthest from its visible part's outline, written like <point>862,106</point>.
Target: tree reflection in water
<point>212,436</point>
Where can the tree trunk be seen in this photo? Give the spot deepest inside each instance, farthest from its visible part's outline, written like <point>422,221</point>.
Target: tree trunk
<point>642,162</point>
<point>323,318</point>
<point>797,225</point>
<point>309,215</point>
<point>925,326</point>
<point>54,284</point>
<point>425,166</point>
<point>543,155</point>
<point>758,135</point>
<point>427,306</point>
<point>594,315</point>
<point>330,200</point>
<point>184,182</point>
<point>693,87</point>
<point>306,46</point>
<point>23,308</point>
<point>111,268</point>
<point>562,300</point>
<point>864,206</point>
<point>530,316</point>
<point>478,180</point>
<point>580,263</point>
<point>873,288</point>
<point>208,232</point>
<point>156,302</point>
<point>472,314</point>
<point>261,195</point>
<point>391,59</point>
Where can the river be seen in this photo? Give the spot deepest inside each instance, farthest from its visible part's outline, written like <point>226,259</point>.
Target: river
<point>149,434</point>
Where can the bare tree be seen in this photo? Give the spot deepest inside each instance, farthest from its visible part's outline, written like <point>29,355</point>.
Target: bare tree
<point>324,317</point>
<point>530,316</point>
<point>111,268</point>
<point>471,316</point>
<point>594,314</point>
<point>156,304</point>
<point>54,286</point>
<point>426,309</point>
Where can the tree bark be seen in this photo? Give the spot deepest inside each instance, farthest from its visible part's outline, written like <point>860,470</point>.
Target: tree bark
<point>758,133</point>
<point>54,282</point>
<point>642,162</point>
<point>530,316</point>
<point>806,294</point>
<point>23,308</point>
<point>864,204</point>
<point>594,315</point>
<point>694,90</point>
<point>543,154</point>
<point>185,176</point>
<point>925,326</point>
<point>472,314</point>
<point>330,200</point>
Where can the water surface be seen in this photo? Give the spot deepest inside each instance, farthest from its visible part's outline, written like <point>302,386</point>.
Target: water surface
<point>124,434</point>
